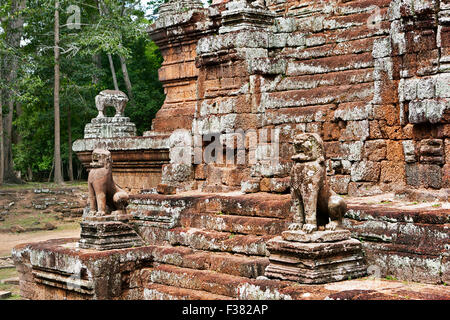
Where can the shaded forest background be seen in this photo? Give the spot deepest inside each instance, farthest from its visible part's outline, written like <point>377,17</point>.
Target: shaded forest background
<point>57,55</point>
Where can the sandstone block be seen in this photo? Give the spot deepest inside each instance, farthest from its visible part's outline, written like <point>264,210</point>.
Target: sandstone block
<point>250,186</point>
<point>166,189</point>
<point>5,294</point>
<point>424,175</point>
<point>389,113</point>
<point>365,171</point>
<point>432,151</point>
<point>412,173</point>
<point>200,172</point>
<point>446,176</point>
<point>409,151</point>
<point>340,167</point>
<point>375,150</point>
<point>352,111</point>
<point>375,130</point>
<point>233,176</point>
<point>339,183</point>
<point>176,173</point>
<point>392,171</point>
<point>431,176</point>
<point>276,185</point>
<point>355,131</point>
<point>426,88</point>
<point>316,237</point>
<point>107,235</point>
<point>363,189</point>
<point>314,263</point>
<point>353,150</point>
<point>394,151</point>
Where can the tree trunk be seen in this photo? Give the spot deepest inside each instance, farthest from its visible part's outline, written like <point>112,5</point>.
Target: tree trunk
<point>14,30</point>
<point>29,174</point>
<point>17,136</point>
<point>51,171</point>
<point>57,170</point>
<point>2,152</point>
<point>69,133</point>
<point>113,71</point>
<point>97,60</point>
<point>126,78</point>
<point>8,173</point>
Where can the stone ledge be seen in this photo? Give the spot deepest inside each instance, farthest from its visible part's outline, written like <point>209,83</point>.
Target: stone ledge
<point>127,268</point>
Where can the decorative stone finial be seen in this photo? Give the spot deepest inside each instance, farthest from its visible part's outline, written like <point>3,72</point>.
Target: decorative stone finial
<point>111,98</point>
<point>103,127</point>
<point>176,6</point>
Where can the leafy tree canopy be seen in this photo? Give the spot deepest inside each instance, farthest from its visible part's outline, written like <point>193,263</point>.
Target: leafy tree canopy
<point>90,29</point>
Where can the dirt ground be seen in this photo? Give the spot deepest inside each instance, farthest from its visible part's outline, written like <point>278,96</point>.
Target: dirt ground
<point>10,240</point>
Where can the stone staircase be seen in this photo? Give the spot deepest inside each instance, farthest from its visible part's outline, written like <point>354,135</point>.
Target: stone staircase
<point>210,246</point>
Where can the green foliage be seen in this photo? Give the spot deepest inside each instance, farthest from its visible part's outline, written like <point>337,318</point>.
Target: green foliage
<point>118,30</point>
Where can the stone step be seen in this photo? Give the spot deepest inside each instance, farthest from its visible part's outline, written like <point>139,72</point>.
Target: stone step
<point>261,204</point>
<point>234,224</point>
<point>5,294</point>
<point>208,240</point>
<point>199,280</point>
<point>13,281</point>
<point>227,263</point>
<point>155,291</point>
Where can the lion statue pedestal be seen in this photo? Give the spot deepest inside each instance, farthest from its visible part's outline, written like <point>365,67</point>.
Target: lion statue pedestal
<point>105,226</point>
<point>315,249</point>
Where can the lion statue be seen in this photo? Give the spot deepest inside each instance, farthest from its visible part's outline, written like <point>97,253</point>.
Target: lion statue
<point>316,204</point>
<point>104,196</point>
<point>111,98</point>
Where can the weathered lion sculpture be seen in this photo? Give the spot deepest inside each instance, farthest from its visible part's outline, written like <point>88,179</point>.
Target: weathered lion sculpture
<point>104,196</point>
<point>315,202</point>
<point>111,98</point>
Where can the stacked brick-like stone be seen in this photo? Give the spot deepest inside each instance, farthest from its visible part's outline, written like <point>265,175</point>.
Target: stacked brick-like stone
<point>425,91</point>
<point>371,76</point>
<point>176,32</point>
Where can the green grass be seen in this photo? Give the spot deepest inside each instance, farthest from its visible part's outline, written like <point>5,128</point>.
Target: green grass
<point>10,273</point>
<point>40,185</point>
<point>28,220</point>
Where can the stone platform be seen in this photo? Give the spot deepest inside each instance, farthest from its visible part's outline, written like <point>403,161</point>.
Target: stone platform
<point>108,232</point>
<point>57,269</point>
<point>321,257</point>
<point>110,127</point>
<point>216,246</point>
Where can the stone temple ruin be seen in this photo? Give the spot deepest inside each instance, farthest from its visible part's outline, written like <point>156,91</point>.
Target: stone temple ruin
<point>209,185</point>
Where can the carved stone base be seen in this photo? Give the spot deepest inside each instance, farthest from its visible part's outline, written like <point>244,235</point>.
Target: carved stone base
<point>110,127</point>
<point>318,236</point>
<point>107,233</point>
<point>315,262</point>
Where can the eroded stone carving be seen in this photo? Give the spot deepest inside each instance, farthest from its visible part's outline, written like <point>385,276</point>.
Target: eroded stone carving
<point>316,204</point>
<point>111,98</point>
<point>104,195</point>
<point>106,226</point>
